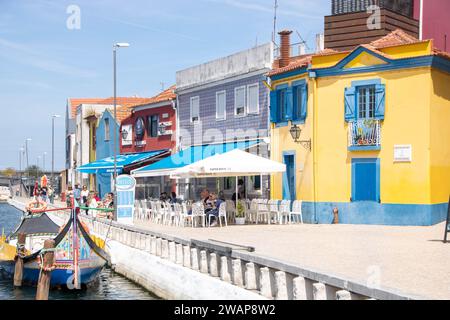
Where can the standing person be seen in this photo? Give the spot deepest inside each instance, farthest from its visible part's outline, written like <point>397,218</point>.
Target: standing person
<point>69,195</point>
<point>84,196</point>
<point>51,194</point>
<point>77,193</point>
<point>44,194</point>
<point>173,198</point>
<point>92,203</point>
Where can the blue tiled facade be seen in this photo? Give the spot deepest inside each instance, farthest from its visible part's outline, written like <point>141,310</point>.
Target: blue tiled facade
<point>104,149</point>
<point>207,101</point>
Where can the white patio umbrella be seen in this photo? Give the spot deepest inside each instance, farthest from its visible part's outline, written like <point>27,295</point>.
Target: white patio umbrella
<point>235,163</point>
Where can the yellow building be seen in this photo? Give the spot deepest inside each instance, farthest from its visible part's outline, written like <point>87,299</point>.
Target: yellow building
<point>373,128</point>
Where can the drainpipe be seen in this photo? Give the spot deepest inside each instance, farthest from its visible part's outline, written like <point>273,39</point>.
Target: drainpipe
<point>314,146</point>
<point>421,20</point>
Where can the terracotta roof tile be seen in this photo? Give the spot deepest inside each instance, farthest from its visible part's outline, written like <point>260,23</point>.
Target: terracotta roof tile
<point>122,101</point>
<point>296,63</point>
<point>166,95</point>
<point>395,38</point>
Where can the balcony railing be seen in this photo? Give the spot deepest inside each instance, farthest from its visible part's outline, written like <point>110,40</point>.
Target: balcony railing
<point>364,133</point>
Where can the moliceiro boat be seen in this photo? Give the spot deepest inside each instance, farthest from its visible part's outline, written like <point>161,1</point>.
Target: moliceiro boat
<point>79,256</point>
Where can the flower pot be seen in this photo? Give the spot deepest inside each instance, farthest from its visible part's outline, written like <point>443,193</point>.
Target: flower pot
<point>240,221</point>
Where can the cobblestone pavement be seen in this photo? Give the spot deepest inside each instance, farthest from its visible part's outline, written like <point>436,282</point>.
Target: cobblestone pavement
<point>412,260</point>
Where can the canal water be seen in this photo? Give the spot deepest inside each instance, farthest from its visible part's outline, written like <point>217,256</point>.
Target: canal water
<point>109,286</point>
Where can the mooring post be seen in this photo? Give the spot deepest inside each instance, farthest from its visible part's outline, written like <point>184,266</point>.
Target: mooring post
<point>18,270</point>
<point>47,266</point>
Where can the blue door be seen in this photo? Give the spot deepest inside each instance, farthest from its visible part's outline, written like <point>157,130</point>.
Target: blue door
<point>365,180</point>
<point>289,192</point>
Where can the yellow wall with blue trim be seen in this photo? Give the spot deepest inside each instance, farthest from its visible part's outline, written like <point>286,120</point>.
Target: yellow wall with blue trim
<point>440,136</point>
<point>408,120</point>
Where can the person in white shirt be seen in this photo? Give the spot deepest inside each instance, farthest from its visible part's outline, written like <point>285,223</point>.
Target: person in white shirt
<point>92,203</point>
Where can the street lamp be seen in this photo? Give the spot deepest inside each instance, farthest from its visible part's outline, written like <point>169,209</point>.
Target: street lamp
<point>295,132</point>
<point>21,151</point>
<point>28,165</point>
<point>43,162</point>
<point>53,148</point>
<point>115,47</point>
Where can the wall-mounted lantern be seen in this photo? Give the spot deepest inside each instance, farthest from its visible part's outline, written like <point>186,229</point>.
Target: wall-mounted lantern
<point>295,133</point>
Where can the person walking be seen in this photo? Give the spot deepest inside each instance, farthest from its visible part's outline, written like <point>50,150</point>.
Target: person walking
<point>69,195</point>
<point>77,193</point>
<point>51,194</point>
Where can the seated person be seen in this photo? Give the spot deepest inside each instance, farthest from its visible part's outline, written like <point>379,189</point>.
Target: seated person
<point>217,202</point>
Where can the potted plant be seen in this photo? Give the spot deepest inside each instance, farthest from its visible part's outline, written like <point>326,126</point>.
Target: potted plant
<point>240,213</point>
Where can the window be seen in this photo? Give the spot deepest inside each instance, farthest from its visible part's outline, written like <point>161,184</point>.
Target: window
<point>195,109</point>
<point>221,111</point>
<point>365,99</point>
<point>253,98</point>
<point>365,179</point>
<point>282,106</point>
<point>297,103</point>
<point>366,102</point>
<point>239,101</point>
<point>107,129</point>
<point>152,126</point>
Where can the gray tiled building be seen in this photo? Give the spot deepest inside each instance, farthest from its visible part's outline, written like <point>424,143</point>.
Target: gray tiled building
<point>224,101</point>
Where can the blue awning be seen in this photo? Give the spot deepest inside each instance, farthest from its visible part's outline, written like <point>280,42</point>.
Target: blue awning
<point>190,155</point>
<point>107,165</point>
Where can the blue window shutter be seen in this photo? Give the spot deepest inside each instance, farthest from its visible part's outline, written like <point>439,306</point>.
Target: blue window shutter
<point>350,111</point>
<point>289,103</point>
<point>304,102</point>
<point>380,93</point>
<point>273,105</point>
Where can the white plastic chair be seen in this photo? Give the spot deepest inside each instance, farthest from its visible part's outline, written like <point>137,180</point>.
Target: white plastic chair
<point>198,212</point>
<point>285,210</point>
<point>222,214</point>
<point>231,209</point>
<point>296,210</point>
<point>251,214</point>
<point>263,210</point>
<point>273,210</point>
<point>184,215</point>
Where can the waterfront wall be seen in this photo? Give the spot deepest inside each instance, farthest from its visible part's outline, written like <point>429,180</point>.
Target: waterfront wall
<point>168,266</point>
<point>178,268</point>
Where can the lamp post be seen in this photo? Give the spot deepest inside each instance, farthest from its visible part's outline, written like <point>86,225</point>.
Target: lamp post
<point>115,47</point>
<point>53,148</point>
<point>21,150</point>
<point>43,162</point>
<point>28,165</point>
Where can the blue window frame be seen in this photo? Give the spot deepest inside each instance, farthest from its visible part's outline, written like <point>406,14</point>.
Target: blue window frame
<point>366,179</point>
<point>282,105</point>
<point>365,100</point>
<point>300,100</point>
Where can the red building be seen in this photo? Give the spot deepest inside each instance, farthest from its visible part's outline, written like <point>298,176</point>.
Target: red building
<point>433,16</point>
<point>151,126</point>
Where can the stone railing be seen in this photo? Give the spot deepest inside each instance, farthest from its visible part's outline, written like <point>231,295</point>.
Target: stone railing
<point>268,277</point>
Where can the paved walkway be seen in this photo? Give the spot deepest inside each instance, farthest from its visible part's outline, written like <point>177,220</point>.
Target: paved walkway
<point>412,260</point>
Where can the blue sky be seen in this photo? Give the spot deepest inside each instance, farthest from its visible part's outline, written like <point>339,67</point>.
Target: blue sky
<point>42,62</point>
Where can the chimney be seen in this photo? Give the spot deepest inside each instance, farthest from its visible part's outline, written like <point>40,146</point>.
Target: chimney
<point>285,48</point>
<point>320,42</point>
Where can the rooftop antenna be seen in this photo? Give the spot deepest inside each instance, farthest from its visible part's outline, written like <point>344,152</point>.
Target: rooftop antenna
<point>275,21</point>
<point>162,85</point>
<point>302,41</point>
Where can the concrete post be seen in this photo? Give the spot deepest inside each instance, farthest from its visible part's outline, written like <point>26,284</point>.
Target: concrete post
<point>164,249</point>
<point>147,244</point>
<point>194,259</point>
<point>236,266</point>
<point>179,254</point>
<point>224,273</point>
<point>172,253</point>
<point>203,261</point>
<point>153,245</point>
<point>213,268</point>
<point>158,247</point>
<point>319,291</point>
<point>299,288</point>
<point>266,288</point>
<point>281,292</point>
<point>250,276</point>
<point>343,295</point>
<point>186,256</point>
